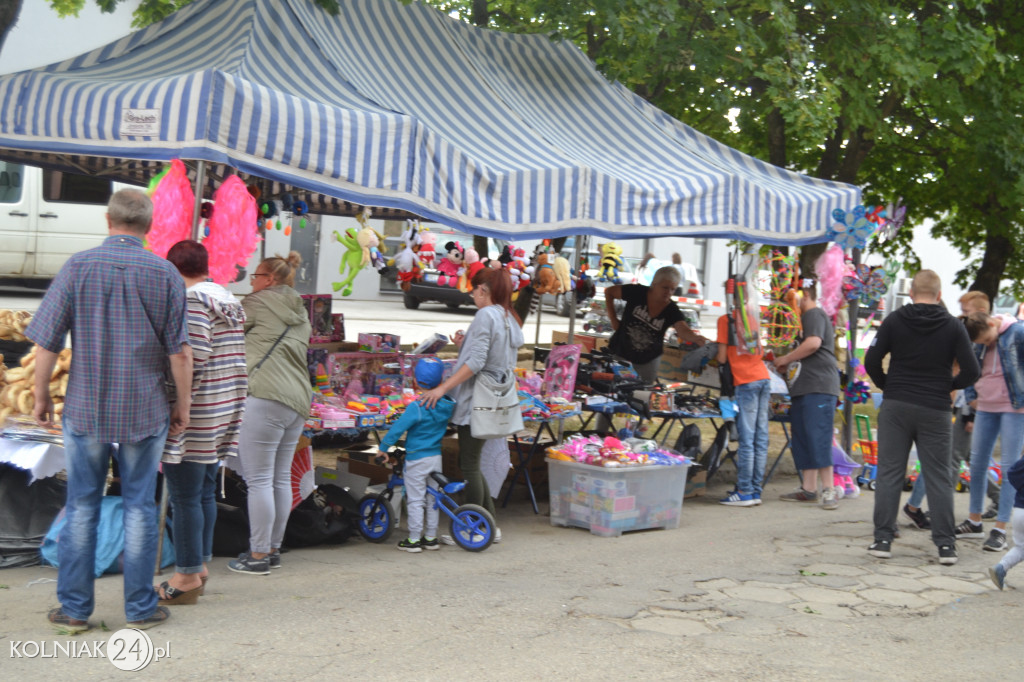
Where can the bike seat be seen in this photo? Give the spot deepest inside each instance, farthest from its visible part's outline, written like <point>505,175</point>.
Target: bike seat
<point>441,479</point>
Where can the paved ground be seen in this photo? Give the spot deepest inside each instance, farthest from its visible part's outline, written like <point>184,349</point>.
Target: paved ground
<point>782,591</point>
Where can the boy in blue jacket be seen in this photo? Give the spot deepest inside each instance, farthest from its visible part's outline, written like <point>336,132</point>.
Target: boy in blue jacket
<point>1015,477</point>
<point>426,428</point>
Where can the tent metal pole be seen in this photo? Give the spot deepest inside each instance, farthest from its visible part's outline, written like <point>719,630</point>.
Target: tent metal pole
<point>200,181</point>
<point>851,354</point>
<point>572,294</point>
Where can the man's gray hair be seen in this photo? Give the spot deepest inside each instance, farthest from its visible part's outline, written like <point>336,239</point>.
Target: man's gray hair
<point>131,209</point>
<point>667,272</point>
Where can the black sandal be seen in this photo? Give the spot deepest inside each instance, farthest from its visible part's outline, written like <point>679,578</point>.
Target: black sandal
<point>172,596</point>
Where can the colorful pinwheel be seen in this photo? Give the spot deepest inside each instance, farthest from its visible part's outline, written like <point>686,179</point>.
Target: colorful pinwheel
<point>896,214</point>
<point>851,229</point>
<point>865,284</point>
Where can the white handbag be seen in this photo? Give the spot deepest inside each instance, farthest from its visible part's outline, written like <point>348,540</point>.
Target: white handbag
<point>495,412</point>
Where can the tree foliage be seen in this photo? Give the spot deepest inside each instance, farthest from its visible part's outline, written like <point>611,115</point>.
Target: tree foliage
<point>915,99</point>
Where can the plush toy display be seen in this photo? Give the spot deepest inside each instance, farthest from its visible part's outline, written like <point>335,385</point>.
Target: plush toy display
<point>611,261</point>
<point>406,261</point>
<point>428,249</point>
<point>561,268</point>
<point>472,265</point>
<point>450,266</point>
<point>232,235</point>
<point>547,282</point>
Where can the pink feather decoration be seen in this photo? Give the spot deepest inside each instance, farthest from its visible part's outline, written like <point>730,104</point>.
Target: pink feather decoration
<point>173,202</point>
<point>233,234</point>
<point>830,268</point>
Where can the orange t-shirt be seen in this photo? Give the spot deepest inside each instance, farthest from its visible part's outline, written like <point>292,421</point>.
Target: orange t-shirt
<point>745,367</point>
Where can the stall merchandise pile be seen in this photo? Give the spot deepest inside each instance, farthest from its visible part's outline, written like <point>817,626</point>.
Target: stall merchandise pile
<point>612,452</point>
<point>17,384</point>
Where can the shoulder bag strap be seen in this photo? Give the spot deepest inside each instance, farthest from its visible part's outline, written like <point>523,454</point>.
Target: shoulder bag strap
<point>260,363</point>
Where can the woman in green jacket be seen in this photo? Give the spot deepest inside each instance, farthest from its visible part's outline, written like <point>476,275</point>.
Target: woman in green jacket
<point>276,339</point>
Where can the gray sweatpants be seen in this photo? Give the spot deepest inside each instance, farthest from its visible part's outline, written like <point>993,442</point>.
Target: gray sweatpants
<point>1016,553</point>
<point>901,424</point>
<point>266,446</point>
<point>417,501</point>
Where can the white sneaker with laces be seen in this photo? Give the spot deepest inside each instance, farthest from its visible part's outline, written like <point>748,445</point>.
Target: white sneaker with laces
<point>828,498</point>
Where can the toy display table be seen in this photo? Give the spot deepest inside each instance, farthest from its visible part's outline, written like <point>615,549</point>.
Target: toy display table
<point>524,455</point>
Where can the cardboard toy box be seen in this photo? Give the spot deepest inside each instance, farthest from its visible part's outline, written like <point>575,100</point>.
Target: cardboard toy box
<point>669,369</point>
<point>359,373</point>
<point>380,343</point>
<point>318,307</point>
<point>608,501</point>
<point>589,342</point>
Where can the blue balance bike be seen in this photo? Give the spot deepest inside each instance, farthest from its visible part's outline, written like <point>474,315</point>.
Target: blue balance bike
<point>472,527</point>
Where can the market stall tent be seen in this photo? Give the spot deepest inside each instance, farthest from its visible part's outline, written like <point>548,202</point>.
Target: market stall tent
<point>401,107</point>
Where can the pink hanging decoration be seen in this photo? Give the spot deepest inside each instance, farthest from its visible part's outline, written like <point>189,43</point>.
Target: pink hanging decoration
<point>173,202</point>
<point>830,269</point>
<point>233,234</point>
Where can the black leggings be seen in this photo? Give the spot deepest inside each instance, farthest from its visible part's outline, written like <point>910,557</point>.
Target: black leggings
<point>476,490</point>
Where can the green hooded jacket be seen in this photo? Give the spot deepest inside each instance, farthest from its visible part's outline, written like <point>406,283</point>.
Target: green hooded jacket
<point>283,376</point>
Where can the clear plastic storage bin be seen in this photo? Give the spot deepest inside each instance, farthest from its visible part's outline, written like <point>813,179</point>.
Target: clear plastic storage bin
<point>610,500</point>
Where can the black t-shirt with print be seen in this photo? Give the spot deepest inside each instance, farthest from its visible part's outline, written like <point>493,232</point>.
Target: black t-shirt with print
<point>640,338</point>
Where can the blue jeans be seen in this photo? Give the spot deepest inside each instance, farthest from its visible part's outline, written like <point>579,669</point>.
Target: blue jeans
<point>88,461</point>
<point>193,492</point>
<point>752,424</point>
<point>1009,428</point>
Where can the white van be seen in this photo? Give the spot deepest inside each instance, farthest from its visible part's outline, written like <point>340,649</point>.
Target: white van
<point>45,216</point>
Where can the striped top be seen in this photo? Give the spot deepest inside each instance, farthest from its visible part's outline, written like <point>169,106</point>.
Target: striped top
<point>219,380</point>
<point>398,105</point>
<point>125,309</point>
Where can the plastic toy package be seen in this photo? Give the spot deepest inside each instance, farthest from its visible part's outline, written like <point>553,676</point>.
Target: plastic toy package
<point>613,452</point>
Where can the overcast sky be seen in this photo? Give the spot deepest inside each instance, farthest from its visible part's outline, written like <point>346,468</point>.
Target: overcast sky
<point>41,37</point>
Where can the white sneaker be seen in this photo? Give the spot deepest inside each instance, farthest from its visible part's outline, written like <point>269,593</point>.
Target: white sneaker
<point>828,498</point>
<point>497,535</point>
<point>446,540</point>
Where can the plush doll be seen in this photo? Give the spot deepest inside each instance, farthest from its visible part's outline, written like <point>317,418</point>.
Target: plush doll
<point>351,261</point>
<point>546,282</point>
<point>611,260</point>
<point>354,388</point>
<point>561,268</point>
<point>472,266</point>
<point>428,249</point>
<point>450,266</point>
<point>406,261</point>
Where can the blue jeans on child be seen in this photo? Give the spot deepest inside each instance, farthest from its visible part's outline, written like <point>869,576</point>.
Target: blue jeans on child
<point>193,493</point>
<point>88,462</point>
<point>752,404</point>
<point>1009,428</point>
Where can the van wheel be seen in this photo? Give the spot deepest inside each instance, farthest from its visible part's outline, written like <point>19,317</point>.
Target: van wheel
<point>411,302</point>
<point>452,306</point>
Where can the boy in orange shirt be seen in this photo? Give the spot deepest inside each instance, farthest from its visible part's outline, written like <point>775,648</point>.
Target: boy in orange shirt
<point>750,378</point>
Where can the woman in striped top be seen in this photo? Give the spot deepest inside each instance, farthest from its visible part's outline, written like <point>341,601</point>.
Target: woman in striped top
<point>219,387</point>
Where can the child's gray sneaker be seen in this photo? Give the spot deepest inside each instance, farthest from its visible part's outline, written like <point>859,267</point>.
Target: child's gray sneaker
<point>998,575</point>
<point>996,541</point>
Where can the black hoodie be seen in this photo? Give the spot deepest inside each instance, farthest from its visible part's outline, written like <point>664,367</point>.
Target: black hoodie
<point>922,340</point>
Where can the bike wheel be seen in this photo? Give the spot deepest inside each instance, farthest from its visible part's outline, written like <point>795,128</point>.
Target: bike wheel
<point>376,520</point>
<point>472,528</point>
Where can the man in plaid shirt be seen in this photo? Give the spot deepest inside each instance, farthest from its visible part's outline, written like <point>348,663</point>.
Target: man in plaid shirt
<point>125,308</point>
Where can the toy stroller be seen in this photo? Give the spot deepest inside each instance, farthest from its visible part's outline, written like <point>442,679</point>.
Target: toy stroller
<point>842,470</point>
<point>472,526</point>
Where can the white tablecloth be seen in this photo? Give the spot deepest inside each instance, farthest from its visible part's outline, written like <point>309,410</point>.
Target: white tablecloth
<point>40,459</point>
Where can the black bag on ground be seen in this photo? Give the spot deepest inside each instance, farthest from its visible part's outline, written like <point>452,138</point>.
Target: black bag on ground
<point>688,442</point>
<point>327,517</point>
<point>231,532</point>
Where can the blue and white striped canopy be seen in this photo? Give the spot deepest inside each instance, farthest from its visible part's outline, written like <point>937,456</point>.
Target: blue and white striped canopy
<point>402,107</point>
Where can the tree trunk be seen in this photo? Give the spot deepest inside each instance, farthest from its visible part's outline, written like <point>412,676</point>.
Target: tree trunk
<point>9,11</point>
<point>998,250</point>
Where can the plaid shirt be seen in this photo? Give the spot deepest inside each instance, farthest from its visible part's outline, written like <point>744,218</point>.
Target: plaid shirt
<point>125,309</point>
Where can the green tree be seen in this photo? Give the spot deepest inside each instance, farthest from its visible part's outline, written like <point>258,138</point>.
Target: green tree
<point>919,100</point>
